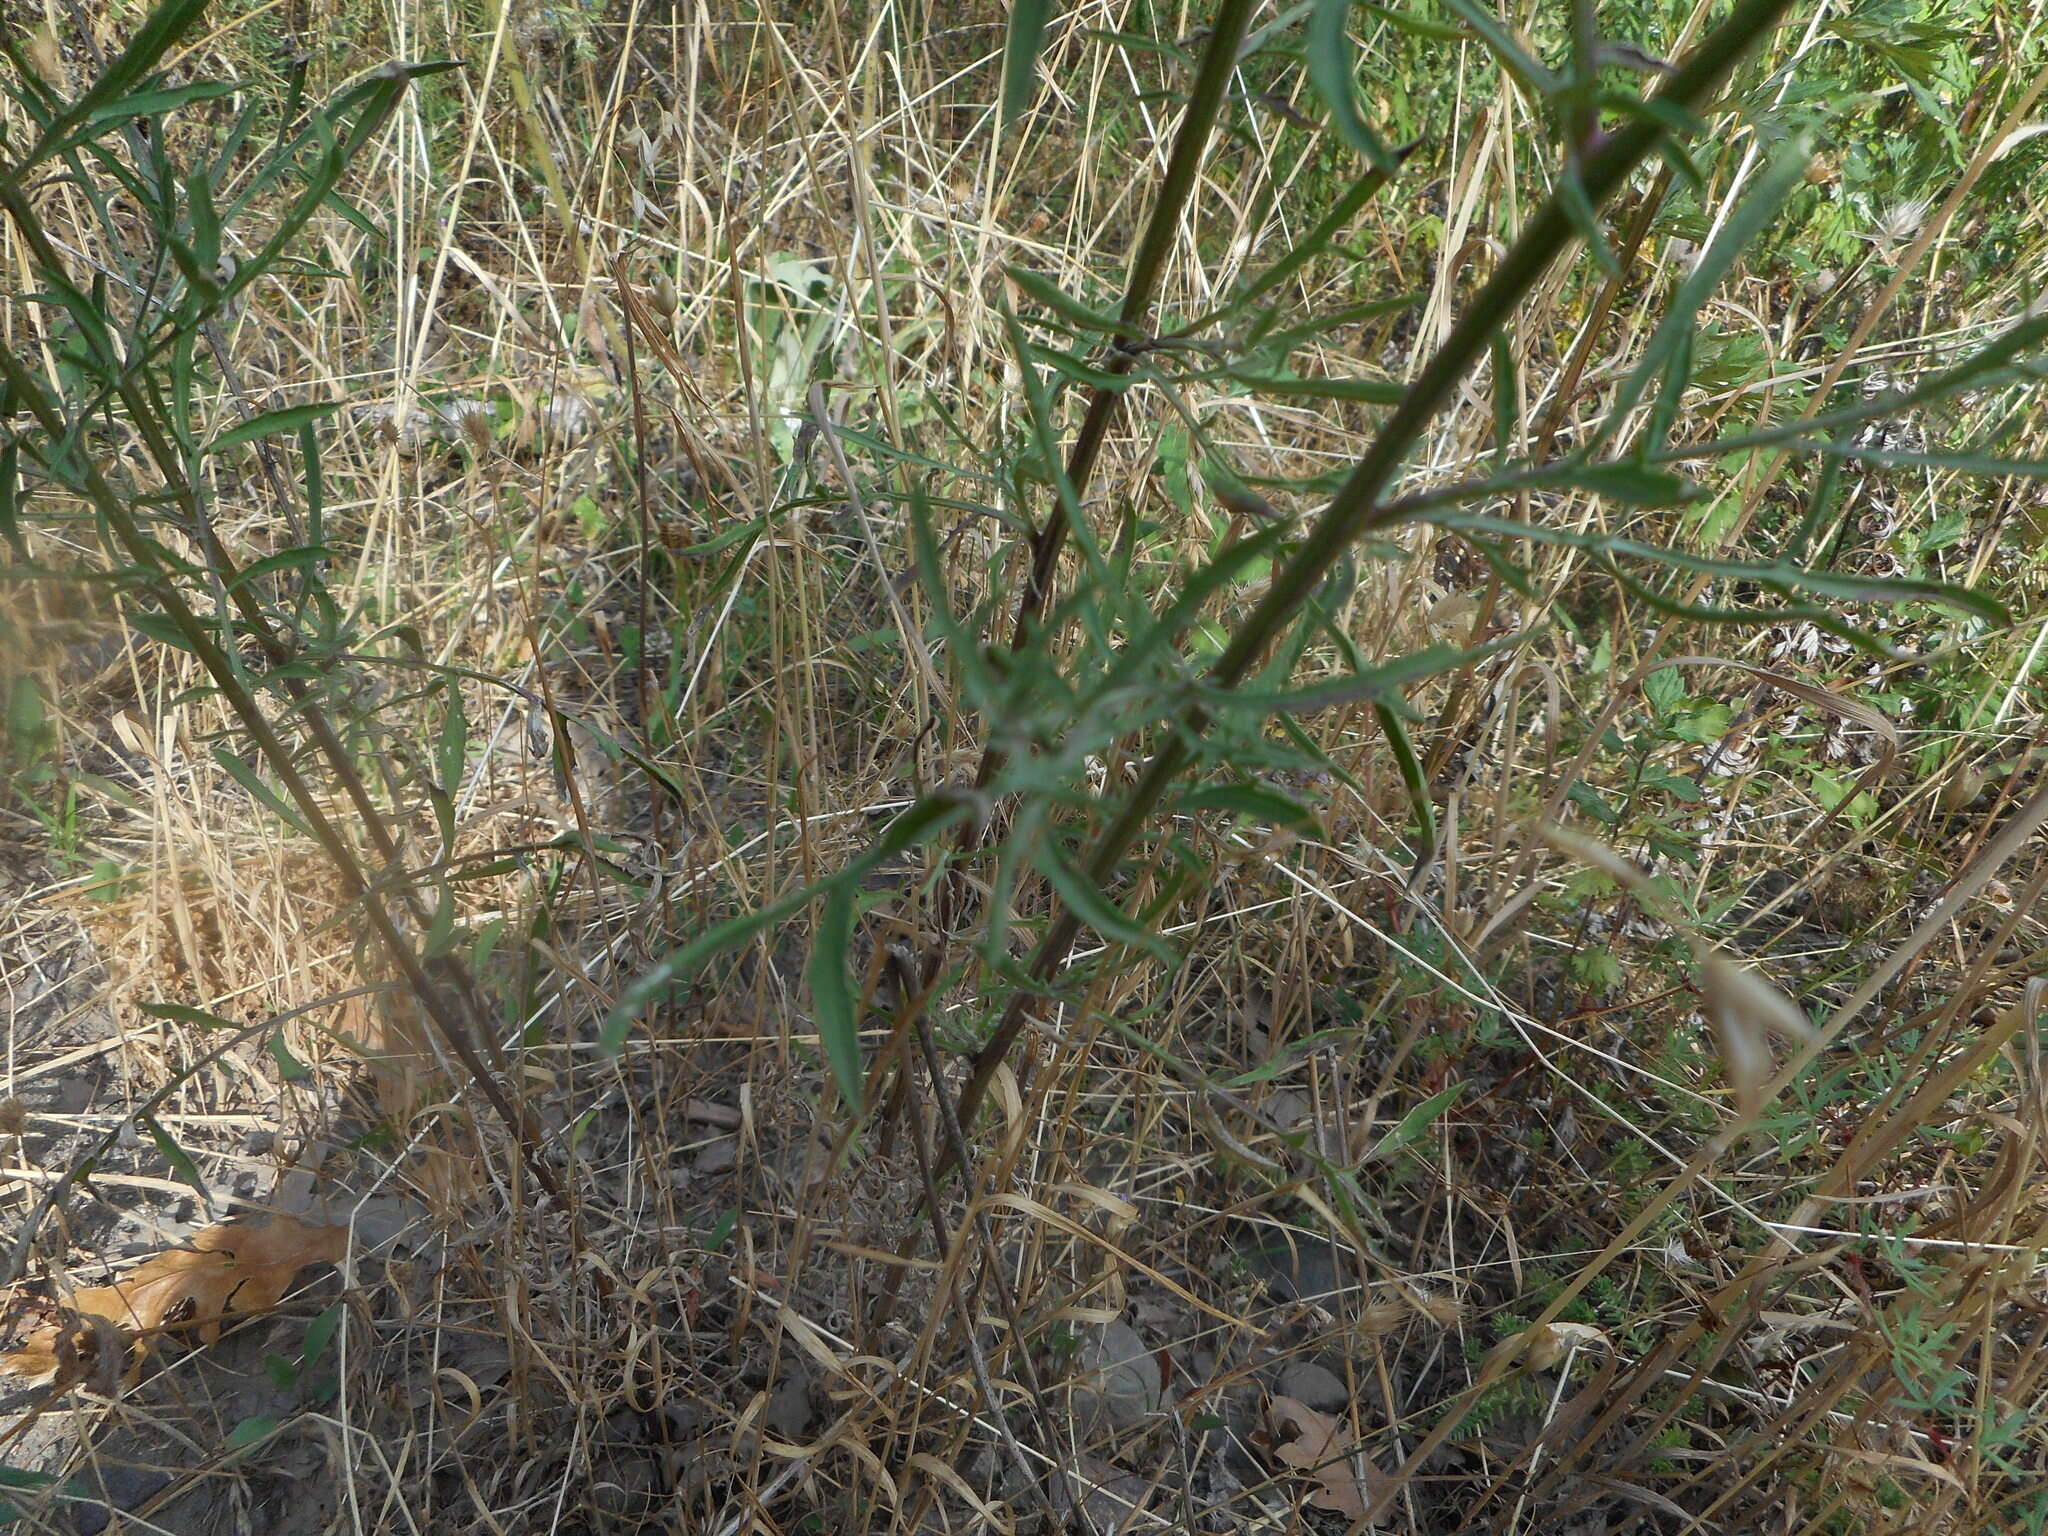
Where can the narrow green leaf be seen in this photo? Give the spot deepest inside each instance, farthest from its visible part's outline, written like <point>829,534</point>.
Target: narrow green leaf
<point>298,557</point>
<point>1370,391</point>
<point>1506,408</point>
<point>251,1431</point>
<point>1633,485</point>
<point>10,496</point>
<point>1413,1124</point>
<point>1578,207</point>
<point>1419,26</point>
<point>1021,43</point>
<point>206,246</point>
<point>245,776</point>
<point>1328,46</point>
<point>1516,60</point>
<point>179,1159</point>
<point>1315,243</point>
<point>1783,578</point>
<point>1255,802</point>
<point>921,822</point>
<point>881,448</point>
<point>159,33</point>
<point>440,938</point>
<point>1290,1057</point>
<point>1413,779</point>
<point>1380,684</point>
<point>832,999</point>
<point>155,103</point>
<point>290,419</point>
<point>1785,172</point>
<point>320,1333</point>
<point>182,1014</point>
<point>1072,367</point>
<point>1678,124</point>
<point>289,1067</point>
<point>1095,909</point>
<point>314,486</point>
<point>1986,464</point>
<point>1065,305</point>
<point>1282,342</point>
<point>451,754</point>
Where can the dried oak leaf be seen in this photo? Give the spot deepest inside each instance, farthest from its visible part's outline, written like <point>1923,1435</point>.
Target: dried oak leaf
<point>231,1268</point>
<point>1325,1448</point>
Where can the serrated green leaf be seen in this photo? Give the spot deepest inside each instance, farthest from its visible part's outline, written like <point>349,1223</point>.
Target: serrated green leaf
<point>1678,786</point>
<point>1665,689</point>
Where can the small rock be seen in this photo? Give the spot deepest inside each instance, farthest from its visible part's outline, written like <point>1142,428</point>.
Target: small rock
<point>1303,1270</point>
<point>1117,1380</point>
<point>1106,1499</point>
<point>788,1412</point>
<point>718,1156</point>
<point>1307,1382</point>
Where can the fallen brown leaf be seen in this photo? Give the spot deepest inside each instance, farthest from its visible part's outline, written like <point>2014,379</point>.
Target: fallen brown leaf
<point>231,1269</point>
<point>1324,1447</point>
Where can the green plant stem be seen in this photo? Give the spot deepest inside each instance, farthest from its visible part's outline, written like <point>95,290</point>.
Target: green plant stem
<point>1190,146</point>
<point>1358,508</point>
<point>1148,265</point>
<point>142,414</point>
<point>455,1030</point>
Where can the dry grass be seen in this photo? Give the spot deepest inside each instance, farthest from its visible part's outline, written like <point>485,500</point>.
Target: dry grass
<point>1581,1296</point>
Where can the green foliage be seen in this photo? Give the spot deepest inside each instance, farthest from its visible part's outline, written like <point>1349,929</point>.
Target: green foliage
<point>1155,665</point>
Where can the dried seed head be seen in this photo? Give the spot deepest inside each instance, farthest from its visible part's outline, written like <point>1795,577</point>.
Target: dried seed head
<point>1745,1011</point>
<point>1898,224</point>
